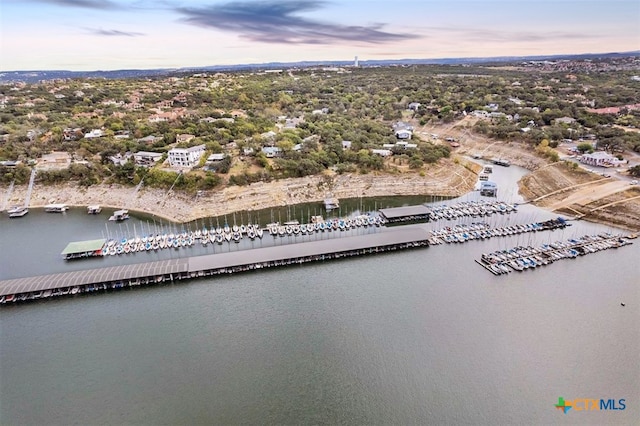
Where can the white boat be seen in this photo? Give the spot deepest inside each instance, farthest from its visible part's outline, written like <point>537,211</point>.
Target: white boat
<point>56,208</point>
<point>119,215</point>
<point>95,209</point>
<point>17,211</point>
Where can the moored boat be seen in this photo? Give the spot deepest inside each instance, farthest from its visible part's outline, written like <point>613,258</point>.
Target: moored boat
<point>94,209</point>
<point>17,211</point>
<point>56,208</point>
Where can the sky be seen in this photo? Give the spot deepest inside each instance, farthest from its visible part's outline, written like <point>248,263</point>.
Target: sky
<point>84,35</point>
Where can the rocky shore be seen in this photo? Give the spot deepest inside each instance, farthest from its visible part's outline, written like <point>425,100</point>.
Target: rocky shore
<point>448,178</point>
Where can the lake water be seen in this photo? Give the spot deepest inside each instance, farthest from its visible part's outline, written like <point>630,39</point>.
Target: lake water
<point>414,337</point>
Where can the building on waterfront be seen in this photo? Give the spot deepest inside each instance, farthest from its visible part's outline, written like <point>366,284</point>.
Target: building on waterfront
<point>601,158</point>
<point>145,158</point>
<point>185,157</point>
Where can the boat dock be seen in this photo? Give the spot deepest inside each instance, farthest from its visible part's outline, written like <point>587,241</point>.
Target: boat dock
<point>419,213</point>
<point>521,258</point>
<point>87,281</point>
<point>479,231</point>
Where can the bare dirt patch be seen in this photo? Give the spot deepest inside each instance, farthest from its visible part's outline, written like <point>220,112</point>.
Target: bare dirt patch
<point>583,195</point>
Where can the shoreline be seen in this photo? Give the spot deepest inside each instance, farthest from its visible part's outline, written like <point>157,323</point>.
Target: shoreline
<point>451,178</point>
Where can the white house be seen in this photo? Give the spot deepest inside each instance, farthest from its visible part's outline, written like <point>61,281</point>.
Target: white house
<point>95,133</point>
<point>185,157</point>
<point>601,158</point>
<point>271,151</point>
<point>382,152</point>
<point>403,134</point>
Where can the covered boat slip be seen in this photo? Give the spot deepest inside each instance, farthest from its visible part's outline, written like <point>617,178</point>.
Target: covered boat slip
<point>409,234</point>
<point>407,214</point>
<point>391,239</point>
<point>93,276</point>
<point>83,248</point>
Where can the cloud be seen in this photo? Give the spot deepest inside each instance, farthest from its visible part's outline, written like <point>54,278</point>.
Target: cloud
<point>117,33</point>
<point>273,21</point>
<point>85,4</point>
<point>488,35</point>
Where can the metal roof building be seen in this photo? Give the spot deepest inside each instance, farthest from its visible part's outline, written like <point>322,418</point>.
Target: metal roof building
<point>406,213</point>
<point>403,237</point>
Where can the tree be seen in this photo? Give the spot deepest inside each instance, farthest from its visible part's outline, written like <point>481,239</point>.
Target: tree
<point>635,171</point>
<point>585,147</point>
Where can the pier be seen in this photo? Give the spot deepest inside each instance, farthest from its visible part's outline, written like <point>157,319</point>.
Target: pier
<point>33,288</point>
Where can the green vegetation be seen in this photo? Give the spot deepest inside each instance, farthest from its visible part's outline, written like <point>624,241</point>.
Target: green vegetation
<point>305,116</point>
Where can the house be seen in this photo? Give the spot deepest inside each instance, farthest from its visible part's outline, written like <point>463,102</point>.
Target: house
<point>184,138</point>
<point>403,134</point>
<point>346,145</point>
<point>401,125</point>
<point>121,160</point>
<point>185,157</point>
<point>602,159</point>
<point>54,160</point>
<point>248,151</point>
<point>145,158</point>
<point>215,157</point>
<point>271,151</point>
<point>320,111</point>
<point>122,134</point>
<point>382,152</point>
<point>70,134</point>
<point>95,133</point>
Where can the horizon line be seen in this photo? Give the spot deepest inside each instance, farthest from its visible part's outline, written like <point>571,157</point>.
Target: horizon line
<point>461,59</point>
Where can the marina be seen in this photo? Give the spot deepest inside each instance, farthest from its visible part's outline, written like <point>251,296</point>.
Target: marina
<point>520,258</point>
<point>324,240</point>
<point>86,281</point>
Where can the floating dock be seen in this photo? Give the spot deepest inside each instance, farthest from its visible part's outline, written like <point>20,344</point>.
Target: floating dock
<point>521,258</point>
<point>419,213</point>
<point>32,288</point>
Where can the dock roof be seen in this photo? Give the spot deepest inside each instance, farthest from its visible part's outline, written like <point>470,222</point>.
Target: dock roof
<point>398,212</point>
<point>400,235</point>
<point>83,246</point>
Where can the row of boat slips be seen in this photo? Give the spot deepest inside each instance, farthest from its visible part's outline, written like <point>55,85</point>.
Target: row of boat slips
<point>521,258</point>
<point>93,248</point>
<point>479,231</point>
<point>210,265</point>
<point>478,208</point>
<point>336,224</point>
<point>423,213</point>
